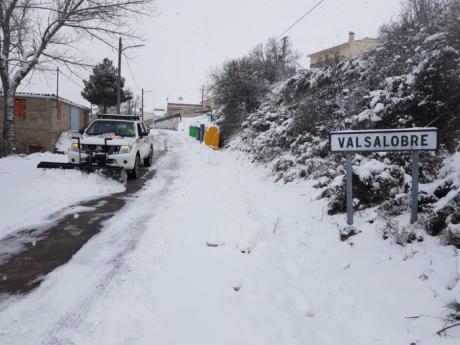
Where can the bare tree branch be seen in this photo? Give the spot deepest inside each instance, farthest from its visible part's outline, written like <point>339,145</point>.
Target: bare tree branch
<point>36,33</point>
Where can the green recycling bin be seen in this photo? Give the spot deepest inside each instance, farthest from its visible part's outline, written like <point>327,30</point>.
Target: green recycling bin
<point>193,131</point>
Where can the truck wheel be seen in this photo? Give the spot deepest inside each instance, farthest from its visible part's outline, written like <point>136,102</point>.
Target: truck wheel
<point>149,159</point>
<point>137,168</point>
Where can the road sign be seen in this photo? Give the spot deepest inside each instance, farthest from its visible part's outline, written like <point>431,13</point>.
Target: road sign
<point>411,140</point>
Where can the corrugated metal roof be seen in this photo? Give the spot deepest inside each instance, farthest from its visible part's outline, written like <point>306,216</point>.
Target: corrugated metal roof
<point>49,96</point>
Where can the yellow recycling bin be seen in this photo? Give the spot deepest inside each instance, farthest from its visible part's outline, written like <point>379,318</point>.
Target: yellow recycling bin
<point>212,137</point>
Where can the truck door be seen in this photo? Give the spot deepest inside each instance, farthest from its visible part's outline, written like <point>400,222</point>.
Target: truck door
<point>142,141</point>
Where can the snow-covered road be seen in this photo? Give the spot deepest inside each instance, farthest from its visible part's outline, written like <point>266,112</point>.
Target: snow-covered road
<point>211,251</point>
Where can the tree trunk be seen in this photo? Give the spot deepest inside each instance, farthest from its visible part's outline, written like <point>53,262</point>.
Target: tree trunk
<point>2,141</point>
<point>9,128</point>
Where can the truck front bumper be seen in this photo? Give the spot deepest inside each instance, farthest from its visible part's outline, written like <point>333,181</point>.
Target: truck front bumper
<point>124,160</point>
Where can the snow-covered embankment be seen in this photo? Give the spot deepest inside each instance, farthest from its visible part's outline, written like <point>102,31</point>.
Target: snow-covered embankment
<point>30,195</point>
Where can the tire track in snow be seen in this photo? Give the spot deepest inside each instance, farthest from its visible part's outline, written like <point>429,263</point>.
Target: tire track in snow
<point>73,318</point>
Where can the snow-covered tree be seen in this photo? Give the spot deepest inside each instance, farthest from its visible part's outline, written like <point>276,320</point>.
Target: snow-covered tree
<point>37,33</point>
<point>240,84</point>
<point>101,88</point>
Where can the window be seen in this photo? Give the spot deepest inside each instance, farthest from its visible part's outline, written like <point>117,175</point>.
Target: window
<point>20,108</point>
<point>36,148</point>
<point>120,128</point>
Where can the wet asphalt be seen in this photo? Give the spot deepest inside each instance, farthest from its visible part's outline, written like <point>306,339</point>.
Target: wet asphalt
<point>38,251</point>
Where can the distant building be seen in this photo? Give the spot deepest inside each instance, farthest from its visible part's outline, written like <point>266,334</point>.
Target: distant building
<point>41,118</point>
<point>159,111</point>
<point>186,110</point>
<point>210,103</point>
<point>351,49</point>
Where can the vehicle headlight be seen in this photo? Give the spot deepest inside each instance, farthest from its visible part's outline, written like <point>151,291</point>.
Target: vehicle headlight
<point>125,148</point>
<point>74,147</point>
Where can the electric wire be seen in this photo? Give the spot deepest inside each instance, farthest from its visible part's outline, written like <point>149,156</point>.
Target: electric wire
<point>71,80</point>
<point>157,91</point>
<point>298,20</point>
<point>132,74</point>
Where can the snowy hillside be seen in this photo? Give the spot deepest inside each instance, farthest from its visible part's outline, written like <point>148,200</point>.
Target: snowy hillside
<point>411,80</point>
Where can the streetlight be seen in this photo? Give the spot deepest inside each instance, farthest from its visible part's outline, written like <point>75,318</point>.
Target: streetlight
<point>120,51</point>
<point>142,102</point>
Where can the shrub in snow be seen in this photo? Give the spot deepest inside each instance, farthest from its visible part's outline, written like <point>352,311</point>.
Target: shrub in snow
<point>374,182</point>
<point>401,235</point>
<point>443,213</point>
<point>454,310</point>
<point>446,221</point>
<point>411,80</point>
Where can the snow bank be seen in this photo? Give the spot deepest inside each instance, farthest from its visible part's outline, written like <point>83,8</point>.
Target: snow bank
<point>367,168</point>
<point>30,195</point>
<point>65,140</point>
<point>213,252</point>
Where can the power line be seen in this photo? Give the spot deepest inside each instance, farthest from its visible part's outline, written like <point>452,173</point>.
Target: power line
<point>71,80</point>
<point>132,74</point>
<point>156,91</point>
<point>178,90</point>
<point>298,20</point>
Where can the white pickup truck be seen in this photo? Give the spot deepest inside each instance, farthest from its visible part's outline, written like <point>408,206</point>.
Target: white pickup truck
<point>122,141</point>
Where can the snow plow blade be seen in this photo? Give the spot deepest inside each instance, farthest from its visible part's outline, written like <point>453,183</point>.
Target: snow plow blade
<point>117,173</point>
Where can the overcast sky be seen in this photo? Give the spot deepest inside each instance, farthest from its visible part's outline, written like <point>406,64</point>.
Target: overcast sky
<point>190,37</point>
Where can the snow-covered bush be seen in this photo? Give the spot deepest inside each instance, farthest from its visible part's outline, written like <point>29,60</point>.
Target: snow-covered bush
<point>400,234</point>
<point>240,84</point>
<point>444,210</point>
<point>412,79</point>
<point>374,182</point>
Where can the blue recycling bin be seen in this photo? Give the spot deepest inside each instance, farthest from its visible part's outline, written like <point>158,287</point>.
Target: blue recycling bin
<point>202,130</point>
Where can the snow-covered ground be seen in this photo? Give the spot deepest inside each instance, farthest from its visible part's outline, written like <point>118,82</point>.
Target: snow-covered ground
<point>213,252</point>
<point>30,196</point>
<point>65,140</point>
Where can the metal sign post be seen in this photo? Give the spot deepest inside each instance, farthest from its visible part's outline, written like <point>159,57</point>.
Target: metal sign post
<point>414,191</point>
<point>349,189</point>
<point>413,140</point>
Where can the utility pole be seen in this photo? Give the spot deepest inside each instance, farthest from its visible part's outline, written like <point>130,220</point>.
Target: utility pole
<point>57,84</point>
<point>142,102</point>
<point>120,51</point>
<point>284,47</point>
<point>202,98</point>
<point>283,57</point>
<point>58,115</point>
<point>120,48</point>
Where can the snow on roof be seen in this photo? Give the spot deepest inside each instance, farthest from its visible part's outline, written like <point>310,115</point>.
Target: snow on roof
<point>184,105</point>
<point>49,96</point>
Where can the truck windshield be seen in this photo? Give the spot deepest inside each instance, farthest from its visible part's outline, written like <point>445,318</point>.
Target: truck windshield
<point>120,128</point>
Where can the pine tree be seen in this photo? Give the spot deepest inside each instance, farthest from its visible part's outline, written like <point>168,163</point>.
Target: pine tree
<point>101,89</point>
